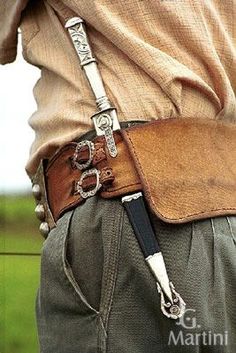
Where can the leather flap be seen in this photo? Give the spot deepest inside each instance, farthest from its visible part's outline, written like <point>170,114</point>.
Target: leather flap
<point>187,167</point>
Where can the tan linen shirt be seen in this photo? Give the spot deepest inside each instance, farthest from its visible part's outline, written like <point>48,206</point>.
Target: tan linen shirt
<point>158,59</point>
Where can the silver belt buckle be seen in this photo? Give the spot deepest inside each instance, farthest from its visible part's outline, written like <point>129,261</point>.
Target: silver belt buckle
<point>91,148</point>
<point>85,174</point>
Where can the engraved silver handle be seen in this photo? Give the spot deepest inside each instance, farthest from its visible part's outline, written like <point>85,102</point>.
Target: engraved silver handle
<point>105,120</point>
<point>76,28</point>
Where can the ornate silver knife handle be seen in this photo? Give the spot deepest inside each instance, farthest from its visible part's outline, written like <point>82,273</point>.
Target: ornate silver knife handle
<point>105,120</point>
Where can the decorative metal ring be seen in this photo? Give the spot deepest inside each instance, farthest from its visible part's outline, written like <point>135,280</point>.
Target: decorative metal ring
<point>104,121</point>
<point>91,148</point>
<point>85,174</point>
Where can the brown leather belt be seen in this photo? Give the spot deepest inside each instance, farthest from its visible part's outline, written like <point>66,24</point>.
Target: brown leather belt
<point>185,167</point>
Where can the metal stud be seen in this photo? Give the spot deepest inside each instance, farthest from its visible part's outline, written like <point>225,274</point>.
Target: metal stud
<point>44,229</point>
<point>36,191</point>
<point>40,212</point>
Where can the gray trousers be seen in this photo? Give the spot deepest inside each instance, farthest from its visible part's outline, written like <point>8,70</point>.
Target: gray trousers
<point>98,295</point>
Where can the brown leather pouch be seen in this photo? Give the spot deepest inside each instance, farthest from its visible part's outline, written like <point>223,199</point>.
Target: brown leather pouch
<point>187,167</point>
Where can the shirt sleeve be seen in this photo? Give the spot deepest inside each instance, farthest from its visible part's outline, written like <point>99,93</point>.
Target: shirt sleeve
<point>10,16</point>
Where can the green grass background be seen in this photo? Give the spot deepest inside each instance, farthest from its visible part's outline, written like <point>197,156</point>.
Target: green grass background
<point>19,275</point>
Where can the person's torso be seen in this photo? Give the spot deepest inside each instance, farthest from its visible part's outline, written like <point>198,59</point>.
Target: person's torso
<point>158,59</point>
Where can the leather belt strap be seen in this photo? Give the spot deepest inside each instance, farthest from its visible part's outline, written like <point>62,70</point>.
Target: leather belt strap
<point>118,175</point>
<point>185,167</point>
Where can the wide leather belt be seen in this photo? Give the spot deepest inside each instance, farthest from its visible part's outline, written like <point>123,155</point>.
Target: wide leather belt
<point>185,167</point>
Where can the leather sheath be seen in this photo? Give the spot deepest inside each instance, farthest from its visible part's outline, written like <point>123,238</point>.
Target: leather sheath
<point>185,167</point>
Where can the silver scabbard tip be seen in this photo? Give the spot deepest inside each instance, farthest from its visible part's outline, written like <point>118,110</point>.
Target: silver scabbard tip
<point>172,305</point>
<point>175,309</point>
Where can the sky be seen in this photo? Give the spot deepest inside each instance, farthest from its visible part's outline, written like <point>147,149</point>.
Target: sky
<point>16,106</point>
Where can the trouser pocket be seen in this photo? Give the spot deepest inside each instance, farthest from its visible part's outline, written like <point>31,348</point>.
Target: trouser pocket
<point>84,255</point>
<point>78,270</point>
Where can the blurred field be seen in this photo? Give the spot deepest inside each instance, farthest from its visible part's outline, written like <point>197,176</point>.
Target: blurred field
<point>19,275</point>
